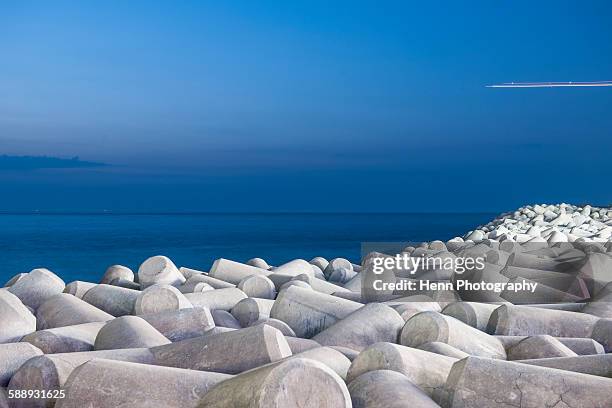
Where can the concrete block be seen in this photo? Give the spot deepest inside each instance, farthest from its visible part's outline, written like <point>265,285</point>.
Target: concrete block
<point>258,286</point>
<point>160,298</point>
<point>428,327</point>
<point>78,288</point>
<point>13,356</point>
<point>165,387</point>
<point>231,353</point>
<point>387,389</point>
<point>218,299</point>
<point>65,339</point>
<point>309,312</point>
<point>177,325</point>
<point>282,385</point>
<point>234,272</point>
<point>114,300</point>
<point>372,323</point>
<point>159,270</point>
<point>16,320</point>
<point>38,286</point>
<point>117,272</point>
<point>128,332</point>
<point>67,310</point>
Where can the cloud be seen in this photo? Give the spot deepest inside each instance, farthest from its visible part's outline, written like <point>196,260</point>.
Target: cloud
<point>43,162</point>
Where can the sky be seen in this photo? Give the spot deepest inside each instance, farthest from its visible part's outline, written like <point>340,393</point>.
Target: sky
<point>303,106</point>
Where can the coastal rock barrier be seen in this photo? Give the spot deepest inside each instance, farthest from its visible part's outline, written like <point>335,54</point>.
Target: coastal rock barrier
<point>317,334</point>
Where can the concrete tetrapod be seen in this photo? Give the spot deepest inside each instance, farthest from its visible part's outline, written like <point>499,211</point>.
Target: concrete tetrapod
<point>165,387</point>
<point>426,370</point>
<point>79,288</point>
<point>443,349</point>
<point>12,356</point>
<point>600,365</point>
<point>528,321</point>
<point>160,298</point>
<point>218,299</point>
<point>309,312</point>
<point>542,346</point>
<point>278,324</point>
<point>476,382</point>
<point>117,272</point>
<point>328,356</point>
<point>36,287</point>
<point>66,339</point>
<point>114,300</point>
<point>234,272</point>
<point>258,286</point>
<point>177,325</point>
<point>16,320</point>
<point>128,332</point>
<point>223,318</point>
<point>387,389</point>
<point>159,269</point>
<point>282,385</point>
<point>231,352</point>
<point>471,313</point>
<point>67,310</point>
<point>249,310</point>
<point>428,327</point>
<point>372,323</point>
<point>579,345</point>
<point>50,372</point>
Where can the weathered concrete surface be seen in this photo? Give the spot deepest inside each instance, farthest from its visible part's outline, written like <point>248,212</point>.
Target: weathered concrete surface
<point>218,299</point>
<point>602,333</point>
<point>200,277</point>
<point>476,382</point>
<point>600,365</point>
<point>387,389</point>
<point>78,288</point>
<point>372,323</point>
<point>279,280</point>
<point>128,332</point>
<point>579,345</point>
<point>67,310</point>
<point>277,324</point>
<point>328,356</point>
<point>16,320</point>
<point>471,313</point>
<point>4,402</point>
<point>542,346</point>
<point>114,300</point>
<point>12,356</point>
<point>298,344</point>
<point>347,352</point>
<point>282,385</point>
<point>124,283</point>
<point>177,325</point>
<point>159,269</point>
<point>428,327</point>
<point>117,272</point>
<point>36,287</point>
<point>234,272</point>
<point>309,312</point>
<point>223,318</point>
<point>65,339</point>
<point>258,263</point>
<point>258,286</point>
<point>120,384</point>
<point>50,372</point>
<point>443,349</point>
<point>249,310</point>
<point>232,352</point>
<point>160,298</point>
<point>426,370</point>
<point>410,308</point>
<point>295,268</point>
<point>528,321</point>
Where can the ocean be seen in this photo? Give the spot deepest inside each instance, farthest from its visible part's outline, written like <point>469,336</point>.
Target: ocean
<point>82,246</point>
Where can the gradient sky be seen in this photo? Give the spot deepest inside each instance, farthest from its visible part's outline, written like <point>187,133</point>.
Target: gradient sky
<point>307,106</point>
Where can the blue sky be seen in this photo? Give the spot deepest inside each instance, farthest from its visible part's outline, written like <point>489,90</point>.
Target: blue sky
<point>308,106</point>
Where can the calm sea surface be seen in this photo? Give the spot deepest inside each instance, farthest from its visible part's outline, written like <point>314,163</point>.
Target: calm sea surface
<point>77,246</point>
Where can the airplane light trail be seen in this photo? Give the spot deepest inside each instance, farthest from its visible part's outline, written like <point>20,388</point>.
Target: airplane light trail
<point>549,84</point>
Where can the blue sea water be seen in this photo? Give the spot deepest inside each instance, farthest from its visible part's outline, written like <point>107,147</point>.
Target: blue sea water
<point>82,246</point>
